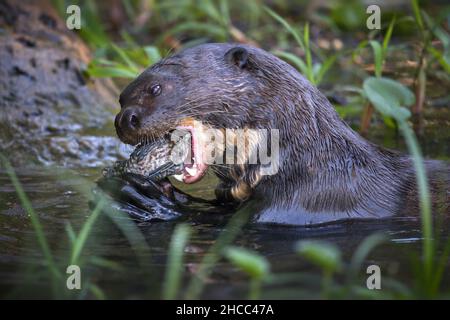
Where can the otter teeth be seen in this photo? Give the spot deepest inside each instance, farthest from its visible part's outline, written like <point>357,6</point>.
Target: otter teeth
<point>179,177</point>
<point>191,170</point>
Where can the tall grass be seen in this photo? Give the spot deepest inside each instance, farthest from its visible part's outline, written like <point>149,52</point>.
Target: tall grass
<point>174,266</point>
<point>34,218</point>
<point>80,239</point>
<point>214,19</point>
<point>389,98</point>
<point>314,72</point>
<point>233,228</point>
<point>77,241</point>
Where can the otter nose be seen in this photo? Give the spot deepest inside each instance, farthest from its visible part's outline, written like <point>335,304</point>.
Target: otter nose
<point>129,119</point>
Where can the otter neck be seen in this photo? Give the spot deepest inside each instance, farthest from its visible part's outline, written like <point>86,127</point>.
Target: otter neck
<point>328,168</point>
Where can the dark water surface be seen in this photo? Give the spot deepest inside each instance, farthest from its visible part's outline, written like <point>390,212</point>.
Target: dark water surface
<point>121,270</point>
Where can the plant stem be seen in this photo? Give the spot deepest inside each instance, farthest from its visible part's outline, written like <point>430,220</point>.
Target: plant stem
<point>420,87</point>
<point>365,119</point>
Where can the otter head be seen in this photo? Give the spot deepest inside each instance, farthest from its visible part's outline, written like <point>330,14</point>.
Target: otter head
<point>213,84</point>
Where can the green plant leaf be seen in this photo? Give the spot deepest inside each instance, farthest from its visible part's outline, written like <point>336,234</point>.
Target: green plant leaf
<point>389,97</point>
<point>255,265</point>
<point>378,55</point>
<point>324,255</point>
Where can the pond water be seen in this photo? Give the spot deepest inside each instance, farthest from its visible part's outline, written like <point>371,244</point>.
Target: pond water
<point>123,270</point>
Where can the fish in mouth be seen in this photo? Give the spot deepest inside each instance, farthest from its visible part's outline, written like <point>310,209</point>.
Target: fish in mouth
<point>176,155</point>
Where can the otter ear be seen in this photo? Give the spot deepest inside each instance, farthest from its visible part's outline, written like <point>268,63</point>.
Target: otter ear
<point>237,56</point>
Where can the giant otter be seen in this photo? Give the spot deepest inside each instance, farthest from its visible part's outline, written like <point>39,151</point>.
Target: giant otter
<point>327,172</point>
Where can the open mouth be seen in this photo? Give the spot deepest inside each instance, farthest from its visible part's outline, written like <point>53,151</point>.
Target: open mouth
<point>194,167</point>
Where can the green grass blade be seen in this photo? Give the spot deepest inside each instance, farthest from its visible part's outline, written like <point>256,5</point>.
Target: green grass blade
<point>249,261</point>
<point>107,264</point>
<point>287,26</point>
<point>174,269</point>
<point>389,97</point>
<point>116,71</point>
<point>213,30</point>
<point>26,203</point>
<point>378,57</point>
<point>440,268</point>
<point>424,194</point>
<point>440,58</point>
<point>310,73</point>
<point>207,6</point>
<point>363,250</point>
<point>97,292</point>
<point>131,43</point>
<point>129,229</point>
<point>92,30</point>
<point>324,68</point>
<point>153,54</point>
<point>225,12</point>
<point>71,233</point>
<point>387,37</point>
<point>417,14</point>
<point>292,58</point>
<point>126,59</point>
<point>358,49</point>
<point>85,231</point>
<point>232,229</point>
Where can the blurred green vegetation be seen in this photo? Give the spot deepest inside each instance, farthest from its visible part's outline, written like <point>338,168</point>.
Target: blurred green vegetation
<point>328,42</point>
<point>128,36</point>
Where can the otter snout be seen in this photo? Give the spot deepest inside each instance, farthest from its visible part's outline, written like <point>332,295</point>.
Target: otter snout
<point>127,122</point>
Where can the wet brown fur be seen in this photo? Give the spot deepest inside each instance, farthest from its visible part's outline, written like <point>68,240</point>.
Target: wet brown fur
<point>327,171</point>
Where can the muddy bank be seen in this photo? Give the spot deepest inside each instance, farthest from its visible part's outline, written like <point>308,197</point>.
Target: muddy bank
<point>47,104</point>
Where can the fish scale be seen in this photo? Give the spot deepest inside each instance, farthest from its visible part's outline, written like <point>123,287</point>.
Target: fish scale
<point>154,161</point>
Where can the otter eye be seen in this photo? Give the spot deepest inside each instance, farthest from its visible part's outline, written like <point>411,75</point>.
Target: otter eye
<point>155,90</point>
